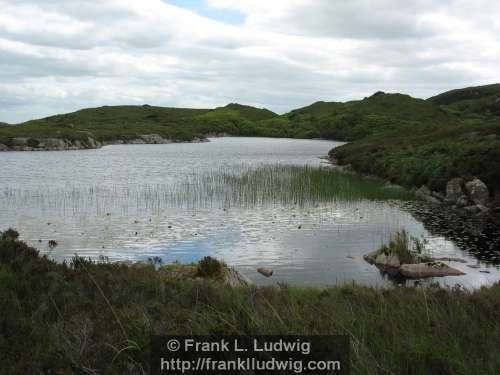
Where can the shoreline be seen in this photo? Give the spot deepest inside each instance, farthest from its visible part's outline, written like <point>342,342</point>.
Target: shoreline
<point>61,144</point>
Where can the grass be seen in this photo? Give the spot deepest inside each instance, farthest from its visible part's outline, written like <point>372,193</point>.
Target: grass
<point>408,249</point>
<point>244,186</point>
<point>285,184</point>
<point>84,317</point>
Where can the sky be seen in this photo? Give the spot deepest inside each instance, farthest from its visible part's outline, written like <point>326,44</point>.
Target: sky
<point>58,56</point>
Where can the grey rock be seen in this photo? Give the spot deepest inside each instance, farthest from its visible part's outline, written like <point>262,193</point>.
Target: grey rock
<point>438,195</point>
<point>472,209</point>
<point>370,257</point>
<point>478,191</point>
<point>235,279</point>
<point>387,261</point>
<point>155,139</point>
<point>462,201</point>
<point>431,269</point>
<point>454,190</point>
<point>450,259</point>
<point>3,147</point>
<point>267,272</point>
<point>425,194</point>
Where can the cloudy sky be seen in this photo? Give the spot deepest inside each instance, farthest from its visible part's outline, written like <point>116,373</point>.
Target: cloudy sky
<point>61,55</point>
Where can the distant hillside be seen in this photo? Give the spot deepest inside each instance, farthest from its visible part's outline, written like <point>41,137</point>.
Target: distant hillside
<point>129,123</point>
<point>472,101</point>
<point>361,118</point>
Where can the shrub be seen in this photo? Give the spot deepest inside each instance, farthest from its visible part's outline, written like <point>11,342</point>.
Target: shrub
<point>211,268</point>
<point>10,234</point>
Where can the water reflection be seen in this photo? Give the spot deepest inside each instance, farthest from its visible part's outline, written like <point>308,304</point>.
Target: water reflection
<point>116,202</point>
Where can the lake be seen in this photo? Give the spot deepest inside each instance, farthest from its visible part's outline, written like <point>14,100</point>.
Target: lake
<point>247,201</point>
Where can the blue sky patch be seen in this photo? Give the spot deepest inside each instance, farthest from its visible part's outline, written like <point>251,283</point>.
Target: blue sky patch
<point>230,17</point>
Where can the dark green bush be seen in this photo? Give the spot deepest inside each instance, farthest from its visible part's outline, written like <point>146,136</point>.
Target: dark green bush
<point>211,268</point>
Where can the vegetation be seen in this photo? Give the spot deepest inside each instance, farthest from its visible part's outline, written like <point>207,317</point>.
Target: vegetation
<point>211,268</point>
<point>431,155</point>
<point>107,124</point>
<point>408,249</point>
<point>85,317</point>
<point>300,185</point>
<point>472,102</point>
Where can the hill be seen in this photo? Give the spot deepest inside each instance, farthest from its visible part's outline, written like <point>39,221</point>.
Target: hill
<point>358,119</point>
<point>459,136</point>
<point>471,102</point>
<point>112,124</point>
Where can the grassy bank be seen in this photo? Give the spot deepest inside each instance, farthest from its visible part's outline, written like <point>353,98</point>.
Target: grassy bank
<point>83,317</point>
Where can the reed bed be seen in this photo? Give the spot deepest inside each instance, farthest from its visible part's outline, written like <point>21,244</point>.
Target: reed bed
<point>246,186</point>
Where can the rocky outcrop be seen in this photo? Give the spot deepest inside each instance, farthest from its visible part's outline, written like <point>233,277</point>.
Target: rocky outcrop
<point>477,191</point>
<point>49,144</point>
<point>234,278</point>
<point>59,144</point>
<point>391,264</point>
<point>231,276</point>
<point>154,139</point>
<point>430,269</point>
<point>426,194</point>
<point>455,192</point>
<point>472,196</point>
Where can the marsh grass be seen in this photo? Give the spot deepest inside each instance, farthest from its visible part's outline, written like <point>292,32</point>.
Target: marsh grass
<point>288,185</point>
<point>242,186</point>
<point>85,317</point>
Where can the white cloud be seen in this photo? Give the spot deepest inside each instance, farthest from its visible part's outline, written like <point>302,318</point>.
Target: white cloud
<point>58,56</point>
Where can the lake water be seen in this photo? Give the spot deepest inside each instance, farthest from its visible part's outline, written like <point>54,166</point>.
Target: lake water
<point>134,202</point>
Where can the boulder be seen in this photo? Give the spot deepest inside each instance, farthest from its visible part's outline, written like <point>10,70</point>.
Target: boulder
<point>234,278</point>
<point>154,139</point>
<point>478,191</point>
<point>267,272</point>
<point>425,194</point>
<point>454,190</point>
<point>430,269</point>
<point>438,195</point>
<point>370,257</point>
<point>472,209</point>
<point>385,262</point>
<point>3,147</point>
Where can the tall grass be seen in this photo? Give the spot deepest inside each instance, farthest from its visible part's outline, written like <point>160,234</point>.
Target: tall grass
<point>246,186</point>
<point>93,318</point>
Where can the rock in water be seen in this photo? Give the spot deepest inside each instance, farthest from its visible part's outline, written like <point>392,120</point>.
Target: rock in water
<point>454,191</point>
<point>425,194</point>
<point>431,269</point>
<point>387,261</point>
<point>267,272</point>
<point>478,191</point>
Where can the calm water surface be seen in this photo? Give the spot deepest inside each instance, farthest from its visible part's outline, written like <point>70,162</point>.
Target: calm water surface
<point>120,202</point>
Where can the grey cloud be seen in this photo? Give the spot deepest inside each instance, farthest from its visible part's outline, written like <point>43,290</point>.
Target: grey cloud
<point>123,53</point>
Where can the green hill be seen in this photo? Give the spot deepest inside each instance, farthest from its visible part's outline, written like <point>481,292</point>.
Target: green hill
<point>358,119</point>
<point>458,135</point>
<point>471,102</point>
<point>126,123</point>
